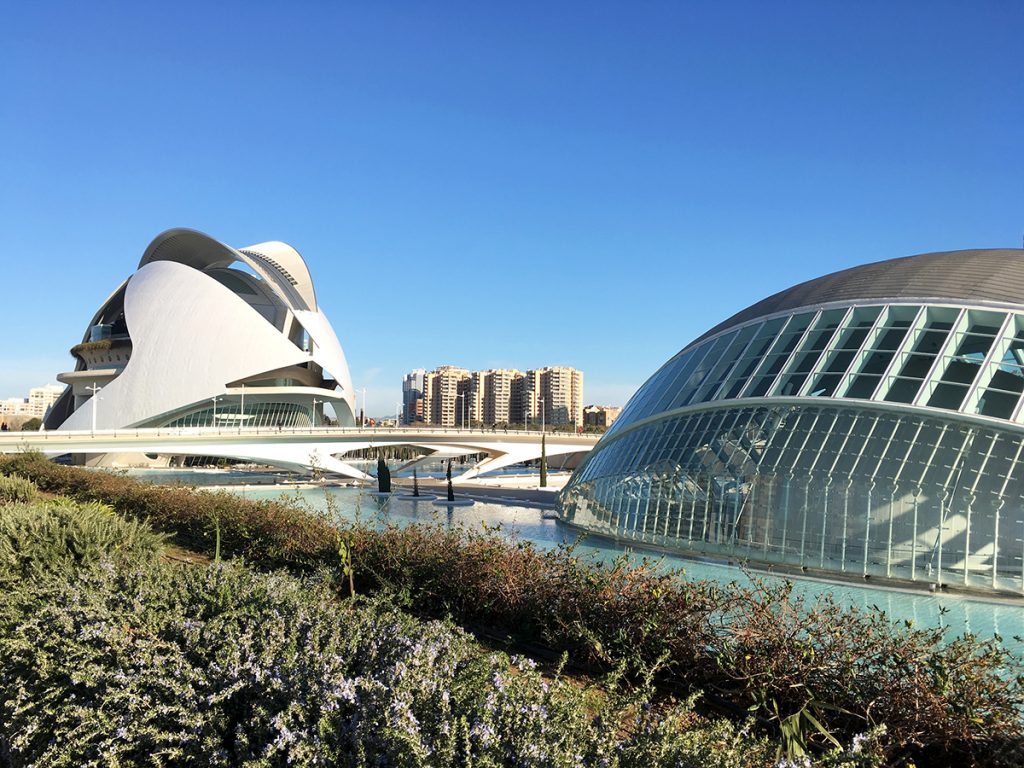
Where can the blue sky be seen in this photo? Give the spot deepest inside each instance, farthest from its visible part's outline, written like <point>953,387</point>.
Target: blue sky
<point>588,184</point>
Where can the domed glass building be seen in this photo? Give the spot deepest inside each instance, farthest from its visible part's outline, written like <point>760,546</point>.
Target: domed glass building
<point>868,422</point>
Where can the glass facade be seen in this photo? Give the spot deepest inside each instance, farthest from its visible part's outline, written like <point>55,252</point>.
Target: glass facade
<point>256,414</point>
<point>881,440</point>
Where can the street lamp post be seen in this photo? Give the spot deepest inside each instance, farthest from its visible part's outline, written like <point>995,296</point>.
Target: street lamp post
<point>542,415</point>
<point>215,399</point>
<point>95,396</point>
<point>241,411</point>
<point>315,401</point>
<point>362,413</point>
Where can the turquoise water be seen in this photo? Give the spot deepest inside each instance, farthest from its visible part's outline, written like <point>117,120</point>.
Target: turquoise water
<point>958,614</point>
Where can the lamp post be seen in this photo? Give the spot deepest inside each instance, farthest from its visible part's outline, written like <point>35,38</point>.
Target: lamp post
<point>398,410</point>
<point>241,411</point>
<point>315,401</point>
<point>95,396</point>
<point>362,413</point>
<point>215,399</point>
<point>542,415</point>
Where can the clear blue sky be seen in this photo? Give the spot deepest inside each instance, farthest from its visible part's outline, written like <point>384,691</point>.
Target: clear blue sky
<point>590,184</point>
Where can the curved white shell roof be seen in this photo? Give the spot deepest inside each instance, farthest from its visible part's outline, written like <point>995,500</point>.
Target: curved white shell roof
<point>192,337</point>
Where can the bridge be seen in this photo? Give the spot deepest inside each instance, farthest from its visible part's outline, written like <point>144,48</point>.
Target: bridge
<point>305,448</point>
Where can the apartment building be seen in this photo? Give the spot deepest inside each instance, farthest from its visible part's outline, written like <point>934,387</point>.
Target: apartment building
<point>445,392</point>
<point>561,395</point>
<point>35,405</point>
<point>600,416</point>
<point>412,397</point>
<point>453,396</point>
<point>498,399</point>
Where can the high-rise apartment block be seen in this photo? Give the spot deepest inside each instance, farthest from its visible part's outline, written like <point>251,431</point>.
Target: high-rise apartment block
<point>412,397</point>
<point>561,395</point>
<point>499,395</point>
<point>445,392</point>
<point>452,396</point>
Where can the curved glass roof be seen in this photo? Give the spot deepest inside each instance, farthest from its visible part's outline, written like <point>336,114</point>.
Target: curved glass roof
<point>964,359</point>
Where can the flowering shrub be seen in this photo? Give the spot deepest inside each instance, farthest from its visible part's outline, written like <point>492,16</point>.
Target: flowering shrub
<point>813,672</point>
<point>220,665</point>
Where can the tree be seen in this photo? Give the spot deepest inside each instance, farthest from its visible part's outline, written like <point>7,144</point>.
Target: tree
<point>383,476</point>
<point>451,491</point>
<point>543,462</point>
<point>32,425</point>
<point>415,483</point>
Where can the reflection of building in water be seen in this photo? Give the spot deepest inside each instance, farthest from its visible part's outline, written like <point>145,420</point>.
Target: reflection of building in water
<point>868,422</point>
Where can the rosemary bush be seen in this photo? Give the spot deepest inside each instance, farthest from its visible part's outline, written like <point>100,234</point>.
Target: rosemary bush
<point>54,537</point>
<point>157,664</point>
<point>17,489</point>
<point>814,674</point>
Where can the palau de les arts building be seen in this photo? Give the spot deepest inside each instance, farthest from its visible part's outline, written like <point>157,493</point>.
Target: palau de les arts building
<point>868,422</point>
<point>204,334</point>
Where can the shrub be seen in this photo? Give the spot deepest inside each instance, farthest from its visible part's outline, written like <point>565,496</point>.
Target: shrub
<point>813,672</point>
<point>268,533</point>
<point>56,536</point>
<point>219,665</point>
<point>17,489</point>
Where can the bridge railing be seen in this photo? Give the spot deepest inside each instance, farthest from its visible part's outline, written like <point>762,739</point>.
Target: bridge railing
<point>141,432</point>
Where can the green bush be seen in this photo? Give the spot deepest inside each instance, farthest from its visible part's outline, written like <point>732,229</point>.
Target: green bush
<point>267,533</point>
<point>17,489</point>
<point>219,665</point>
<point>57,536</point>
<point>812,672</point>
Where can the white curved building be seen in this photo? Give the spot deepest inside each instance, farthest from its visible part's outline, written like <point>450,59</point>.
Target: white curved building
<point>204,334</point>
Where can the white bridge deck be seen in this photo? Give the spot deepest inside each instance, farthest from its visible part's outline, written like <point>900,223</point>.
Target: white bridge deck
<point>307,448</point>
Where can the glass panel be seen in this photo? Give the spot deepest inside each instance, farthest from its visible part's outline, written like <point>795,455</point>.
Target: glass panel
<point>834,490</point>
<point>780,352</point>
<point>739,376</point>
<point>962,362</point>
<point>687,385</point>
<point>724,366</point>
<point>999,404</point>
<point>865,373</point>
<point>804,360</point>
<point>948,396</point>
<point>830,372</point>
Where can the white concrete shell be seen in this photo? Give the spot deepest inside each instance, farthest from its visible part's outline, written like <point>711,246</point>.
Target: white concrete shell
<point>188,328</point>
